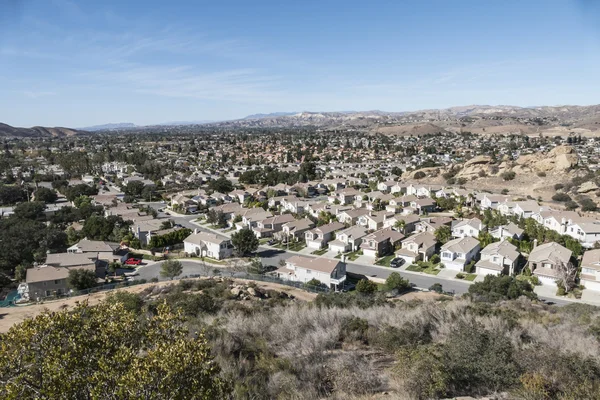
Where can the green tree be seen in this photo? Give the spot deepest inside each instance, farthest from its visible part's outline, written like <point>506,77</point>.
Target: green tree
<point>366,286</point>
<point>107,352</point>
<point>443,234</point>
<point>134,188</point>
<point>81,279</point>
<point>396,282</point>
<point>170,269</point>
<point>31,210</point>
<point>221,185</point>
<point>245,242</point>
<point>82,201</point>
<point>20,273</point>
<point>45,195</point>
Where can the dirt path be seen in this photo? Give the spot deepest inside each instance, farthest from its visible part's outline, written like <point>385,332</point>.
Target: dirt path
<point>10,316</point>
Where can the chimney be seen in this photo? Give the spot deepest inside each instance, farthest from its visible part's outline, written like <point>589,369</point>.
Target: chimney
<point>195,231</point>
<point>343,258</point>
<point>534,243</point>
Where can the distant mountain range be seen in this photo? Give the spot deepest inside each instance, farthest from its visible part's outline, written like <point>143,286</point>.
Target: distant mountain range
<point>475,118</point>
<point>36,131</point>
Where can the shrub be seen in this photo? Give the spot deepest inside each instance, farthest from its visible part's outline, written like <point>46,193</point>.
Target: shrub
<point>504,191</point>
<point>396,282</point>
<point>571,205</point>
<point>508,175</point>
<point>558,186</point>
<point>435,259</point>
<point>541,174</point>
<point>419,175</point>
<point>588,205</point>
<point>366,286</point>
<point>495,288</point>
<point>436,287</point>
<point>561,197</point>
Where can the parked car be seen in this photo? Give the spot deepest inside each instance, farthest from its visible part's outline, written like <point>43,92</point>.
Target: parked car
<point>133,261</point>
<point>397,262</point>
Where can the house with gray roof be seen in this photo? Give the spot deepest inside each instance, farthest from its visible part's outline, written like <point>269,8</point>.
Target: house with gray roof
<point>457,253</point>
<point>498,258</point>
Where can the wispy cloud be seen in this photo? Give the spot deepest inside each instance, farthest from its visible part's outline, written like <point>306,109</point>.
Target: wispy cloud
<point>37,94</point>
<point>239,85</point>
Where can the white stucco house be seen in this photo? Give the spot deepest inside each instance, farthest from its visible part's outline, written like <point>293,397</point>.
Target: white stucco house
<point>468,227</point>
<point>545,259</point>
<point>457,253</point>
<point>498,258</point>
<point>590,270</point>
<point>331,273</point>
<point>204,244</point>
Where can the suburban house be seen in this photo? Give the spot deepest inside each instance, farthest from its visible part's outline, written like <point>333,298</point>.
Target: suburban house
<point>498,258</point>
<point>331,273</point>
<point>457,253</point>
<point>492,201</point>
<point>406,223</point>
<point>467,227</point>
<point>380,243</point>
<point>545,259</point>
<point>508,231</point>
<point>432,224</point>
<point>423,206</point>
<point>204,244</point>
<point>386,186</point>
<point>351,217</point>
<point>268,226</point>
<point>240,195</point>
<point>142,230</point>
<point>251,216</point>
<point>587,232</point>
<point>555,220</point>
<point>590,270</point>
<point>318,237</point>
<point>348,239</point>
<point>345,196</point>
<point>399,188</point>
<point>46,280</point>
<point>295,229</point>
<point>420,246</point>
<point>525,209</point>
<point>374,220</point>
<point>109,252</point>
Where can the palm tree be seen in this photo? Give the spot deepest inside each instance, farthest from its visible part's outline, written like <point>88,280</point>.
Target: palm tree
<point>400,225</point>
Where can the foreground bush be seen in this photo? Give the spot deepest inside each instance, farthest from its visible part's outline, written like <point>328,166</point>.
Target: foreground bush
<point>106,352</point>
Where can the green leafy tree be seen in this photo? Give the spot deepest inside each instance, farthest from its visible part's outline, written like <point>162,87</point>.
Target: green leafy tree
<point>495,288</point>
<point>221,185</point>
<point>81,279</point>
<point>107,352</point>
<point>134,189</point>
<point>366,286</point>
<point>171,269</point>
<point>45,195</point>
<point>30,210</point>
<point>245,242</point>
<point>20,273</point>
<point>82,201</point>
<point>396,282</point>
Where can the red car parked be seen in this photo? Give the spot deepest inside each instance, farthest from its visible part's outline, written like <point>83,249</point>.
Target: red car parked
<point>133,261</point>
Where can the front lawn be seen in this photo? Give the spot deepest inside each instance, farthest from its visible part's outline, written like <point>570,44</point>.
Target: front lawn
<point>385,261</point>
<point>466,277</point>
<point>210,260</point>
<point>320,252</point>
<point>354,255</point>
<point>425,267</point>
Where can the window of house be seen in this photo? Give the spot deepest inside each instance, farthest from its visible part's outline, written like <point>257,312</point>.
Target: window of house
<point>588,271</point>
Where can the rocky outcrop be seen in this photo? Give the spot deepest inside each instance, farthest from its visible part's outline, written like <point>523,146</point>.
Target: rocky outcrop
<point>559,159</point>
<point>587,187</point>
<point>429,172</point>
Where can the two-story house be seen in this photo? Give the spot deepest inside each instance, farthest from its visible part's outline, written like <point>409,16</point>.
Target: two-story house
<point>587,231</point>
<point>374,220</point>
<point>295,230</point>
<point>318,238</point>
<point>102,250</point>
<point>590,270</point>
<point>331,273</point>
<point>457,253</point>
<point>508,231</point>
<point>271,225</point>
<point>468,227</point>
<point>498,258</point>
<point>204,244</point>
<point>351,217</point>
<point>380,243</point>
<point>544,261</point>
<point>348,239</point>
<point>419,246</point>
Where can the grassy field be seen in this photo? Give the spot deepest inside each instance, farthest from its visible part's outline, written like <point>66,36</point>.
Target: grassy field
<point>426,268</point>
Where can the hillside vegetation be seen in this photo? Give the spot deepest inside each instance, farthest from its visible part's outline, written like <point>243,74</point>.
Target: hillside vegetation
<point>268,345</point>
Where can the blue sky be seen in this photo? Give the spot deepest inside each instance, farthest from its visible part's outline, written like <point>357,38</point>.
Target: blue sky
<point>80,63</point>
